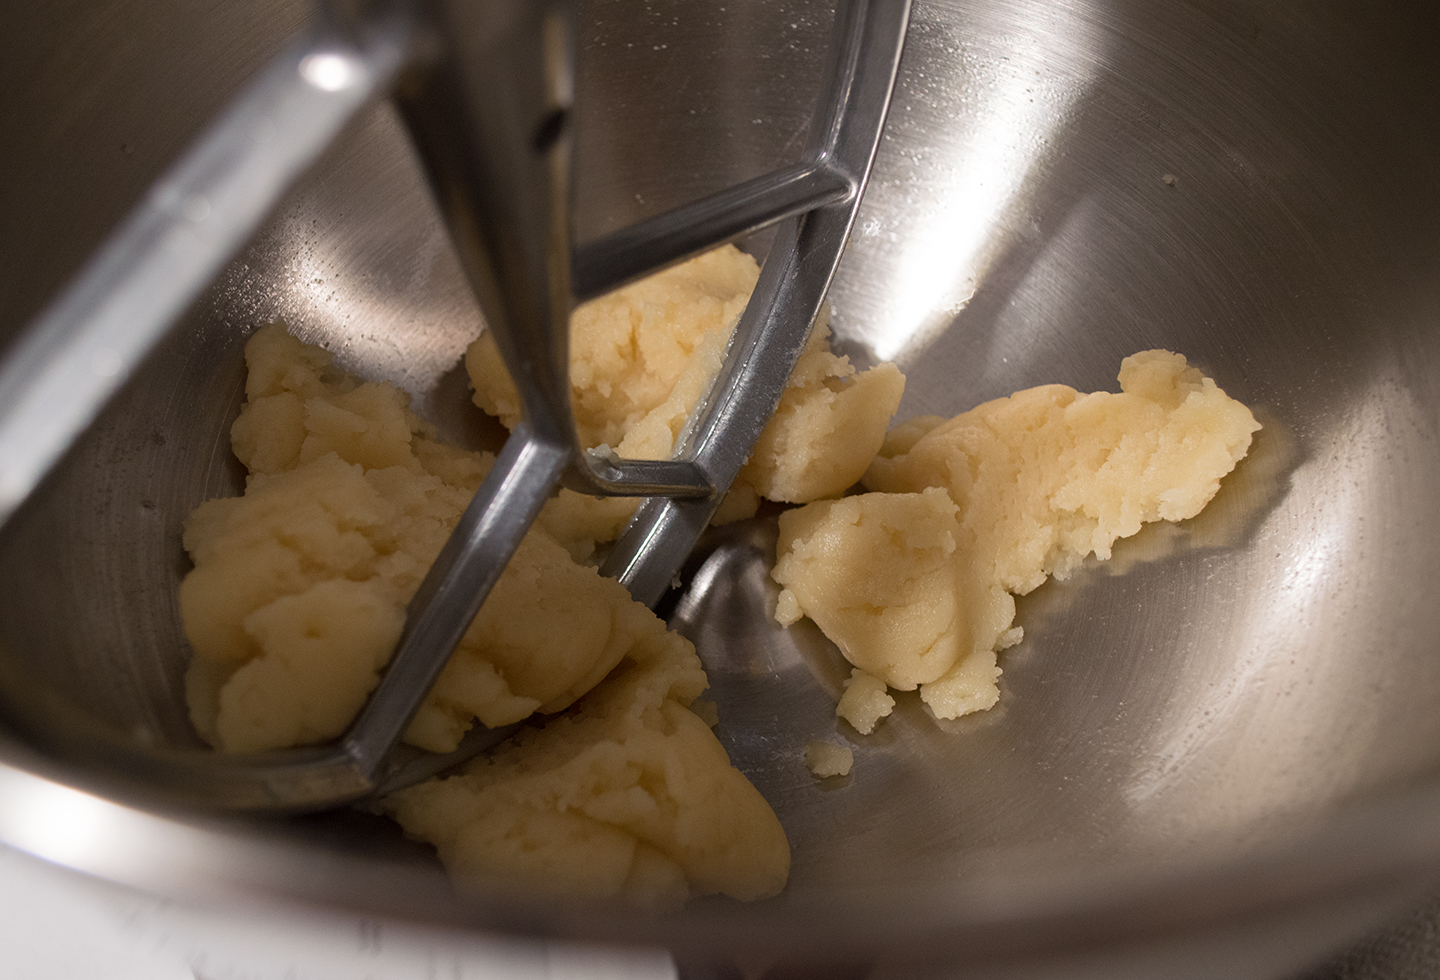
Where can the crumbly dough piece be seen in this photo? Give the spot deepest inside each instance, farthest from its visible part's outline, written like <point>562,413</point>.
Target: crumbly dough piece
<point>629,794</point>
<point>914,582</point>
<point>642,356</point>
<point>826,759</point>
<point>299,587</point>
<point>865,702</point>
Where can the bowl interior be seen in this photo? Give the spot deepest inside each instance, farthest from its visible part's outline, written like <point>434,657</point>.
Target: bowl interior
<point>1060,185</point>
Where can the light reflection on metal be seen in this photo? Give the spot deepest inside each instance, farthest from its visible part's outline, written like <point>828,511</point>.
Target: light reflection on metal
<point>952,231</point>
<point>329,71</point>
<point>56,379</point>
<point>1194,744</point>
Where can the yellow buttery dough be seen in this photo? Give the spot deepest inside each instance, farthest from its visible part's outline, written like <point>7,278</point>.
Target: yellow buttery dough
<point>348,501</point>
<point>630,794</point>
<point>915,581</point>
<point>297,598</point>
<point>827,759</point>
<point>298,595</point>
<point>642,356</point>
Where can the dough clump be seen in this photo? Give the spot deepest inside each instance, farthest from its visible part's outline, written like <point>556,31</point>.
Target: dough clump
<point>297,598</point>
<point>866,700</point>
<point>299,587</point>
<point>642,356</point>
<point>914,582</point>
<point>630,794</point>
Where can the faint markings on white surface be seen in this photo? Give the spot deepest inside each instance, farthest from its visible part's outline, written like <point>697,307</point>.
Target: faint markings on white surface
<point>600,963</point>
<point>58,925</point>
<point>52,929</point>
<point>63,824</point>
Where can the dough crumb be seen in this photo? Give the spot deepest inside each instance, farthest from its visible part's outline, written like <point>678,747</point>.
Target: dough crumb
<point>826,759</point>
<point>864,702</point>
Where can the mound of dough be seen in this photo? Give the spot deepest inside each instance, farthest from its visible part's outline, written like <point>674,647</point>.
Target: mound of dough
<point>629,794</point>
<point>298,596</point>
<point>299,587</point>
<point>914,582</point>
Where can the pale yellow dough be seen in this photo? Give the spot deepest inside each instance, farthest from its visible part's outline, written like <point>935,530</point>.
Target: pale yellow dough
<point>297,599</point>
<point>630,795</point>
<point>642,356</point>
<point>298,592</point>
<point>866,700</point>
<point>914,582</point>
<point>825,759</point>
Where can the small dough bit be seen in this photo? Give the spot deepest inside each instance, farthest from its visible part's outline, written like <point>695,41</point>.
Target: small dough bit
<point>826,759</point>
<point>866,700</point>
<point>914,581</point>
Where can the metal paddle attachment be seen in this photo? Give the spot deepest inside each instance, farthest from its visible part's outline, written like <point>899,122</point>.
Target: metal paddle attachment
<point>486,89</point>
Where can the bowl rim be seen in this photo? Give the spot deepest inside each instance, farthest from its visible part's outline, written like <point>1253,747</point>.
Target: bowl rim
<point>1378,850</point>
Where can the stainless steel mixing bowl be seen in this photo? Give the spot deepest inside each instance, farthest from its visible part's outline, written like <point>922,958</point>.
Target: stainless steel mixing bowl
<point>1218,754</point>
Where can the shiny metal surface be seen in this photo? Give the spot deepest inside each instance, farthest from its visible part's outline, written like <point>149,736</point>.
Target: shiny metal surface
<point>488,96</point>
<point>846,127</point>
<point>492,121</point>
<point>93,336</point>
<point>1217,755</point>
